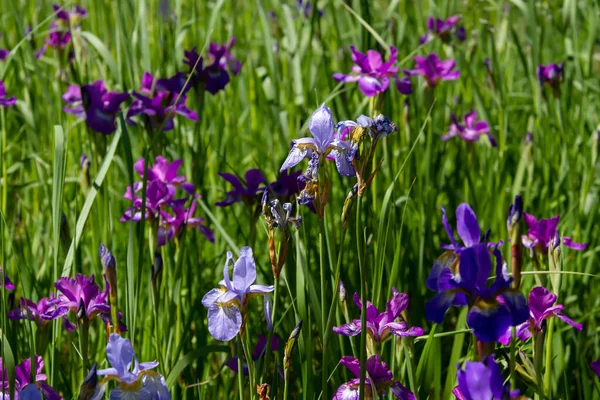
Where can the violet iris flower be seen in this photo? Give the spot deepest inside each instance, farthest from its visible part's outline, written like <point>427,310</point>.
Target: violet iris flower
<point>467,228</point>
<point>381,324</point>
<point>541,307</point>
<point>23,381</point>
<point>173,224</point>
<point>136,380</point>
<point>552,74</point>
<point>227,304</point>
<point>372,74</point>
<point>471,131</point>
<point>433,69</point>
<point>258,351</point>
<point>595,366</point>
<point>493,309</point>
<point>94,104</point>
<point>544,234</point>
<point>4,100</point>
<point>443,29</point>
<point>216,75</point>
<point>42,312</point>
<point>71,16</point>
<point>59,35</point>
<point>320,145</point>
<point>247,192</point>
<point>158,104</point>
<point>5,282</point>
<point>165,172</point>
<point>286,185</point>
<point>482,381</point>
<point>378,376</point>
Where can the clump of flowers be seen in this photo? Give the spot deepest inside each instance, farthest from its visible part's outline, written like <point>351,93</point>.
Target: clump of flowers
<point>228,304</point>
<point>482,380</point>
<point>372,74</point>
<point>24,387</point>
<point>135,380</point>
<point>162,208</point>
<point>471,131</point>
<point>379,378</point>
<point>492,309</point>
<point>544,234</point>
<point>60,34</point>
<point>381,325</point>
<point>95,104</point>
<point>434,70</point>
<point>444,29</point>
<point>220,65</point>
<point>6,101</point>
<point>158,102</point>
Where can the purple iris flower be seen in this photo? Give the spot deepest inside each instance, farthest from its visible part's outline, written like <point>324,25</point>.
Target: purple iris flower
<point>433,69</point>
<point>6,101</point>
<point>67,16</point>
<point>3,52</point>
<point>94,104</point>
<point>381,324</point>
<point>551,74</point>
<point>467,228</point>
<point>372,74</point>
<point>493,309</point>
<point>5,283</point>
<point>471,130</point>
<point>595,366</point>
<point>227,304</point>
<point>173,224</point>
<point>165,172</point>
<point>221,62</point>
<point>59,36</point>
<point>378,376</point>
<point>136,380</point>
<point>544,234</point>
<point>443,29</point>
<point>286,185</point>
<point>157,103</point>
<point>42,312</point>
<point>541,307</point>
<point>482,380</point>
<point>258,351</point>
<point>247,192</point>
<point>321,144</point>
<point>23,382</point>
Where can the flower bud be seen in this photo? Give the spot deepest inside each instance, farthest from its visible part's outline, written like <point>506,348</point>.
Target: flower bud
<point>342,291</point>
<point>89,387</point>
<point>290,345</point>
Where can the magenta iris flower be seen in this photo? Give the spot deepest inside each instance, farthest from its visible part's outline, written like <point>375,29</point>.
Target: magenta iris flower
<point>444,29</point>
<point>42,312</point>
<point>23,385</point>
<point>220,64</point>
<point>541,308</point>
<point>59,35</point>
<point>378,376</point>
<point>551,74</point>
<point>433,69</point>
<point>135,380</point>
<point>227,304</point>
<point>4,100</point>
<point>158,101</point>
<point>94,104</point>
<point>247,192</point>
<point>482,380</point>
<point>544,234</point>
<point>5,282</point>
<point>372,74</point>
<point>162,207</point>
<point>320,145</point>
<point>471,131</point>
<point>82,296</point>
<point>381,324</point>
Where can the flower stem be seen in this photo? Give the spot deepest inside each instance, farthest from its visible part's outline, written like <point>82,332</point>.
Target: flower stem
<point>513,358</point>
<point>363,296</point>
<point>265,363</point>
<point>240,374</point>
<point>84,331</point>
<point>322,268</point>
<point>548,374</point>
<point>538,357</point>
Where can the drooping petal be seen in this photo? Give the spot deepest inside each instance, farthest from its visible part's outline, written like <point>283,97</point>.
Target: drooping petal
<point>121,356</point>
<point>517,306</point>
<point>351,329</point>
<point>474,381</point>
<point>489,321</point>
<point>436,308</point>
<point>569,321</point>
<point>567,241</point>
<point>402,393</point>
<point>224,322</point>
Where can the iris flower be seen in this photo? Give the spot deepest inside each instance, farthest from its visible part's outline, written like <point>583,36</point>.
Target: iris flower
<point>372,74</point>
<point>433,69</point>
<point>246,192</point>
<point>59,36</point>
<point>94,104</point>
<point>471,131</point>
<point>321,144</point>
<point>159,101</point>
<point>135,380</point>
<point>544,234</point>
<point>221,63</point>
<point>4,100</point>
<point>541,308</point>
<point>482,381</point>
<point>595,366</point>
<point>23,385</point>
<point>551,74</point>
<point>42,312</point>
<point>443,29</point>
<point>378,376</point>
<point>5,282</point>
<point>227,304</point>
<point>381,324</point>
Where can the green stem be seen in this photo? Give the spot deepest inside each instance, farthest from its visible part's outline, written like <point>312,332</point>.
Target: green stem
<point>322,268</point>
<point>84,333</point>
<point>548,374</point>
<point>538,358</point>
<point>249,362</point>
<point>513,358</point>
<point>240,374</point>
<point>363,296</point>
<point>265,363</point>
